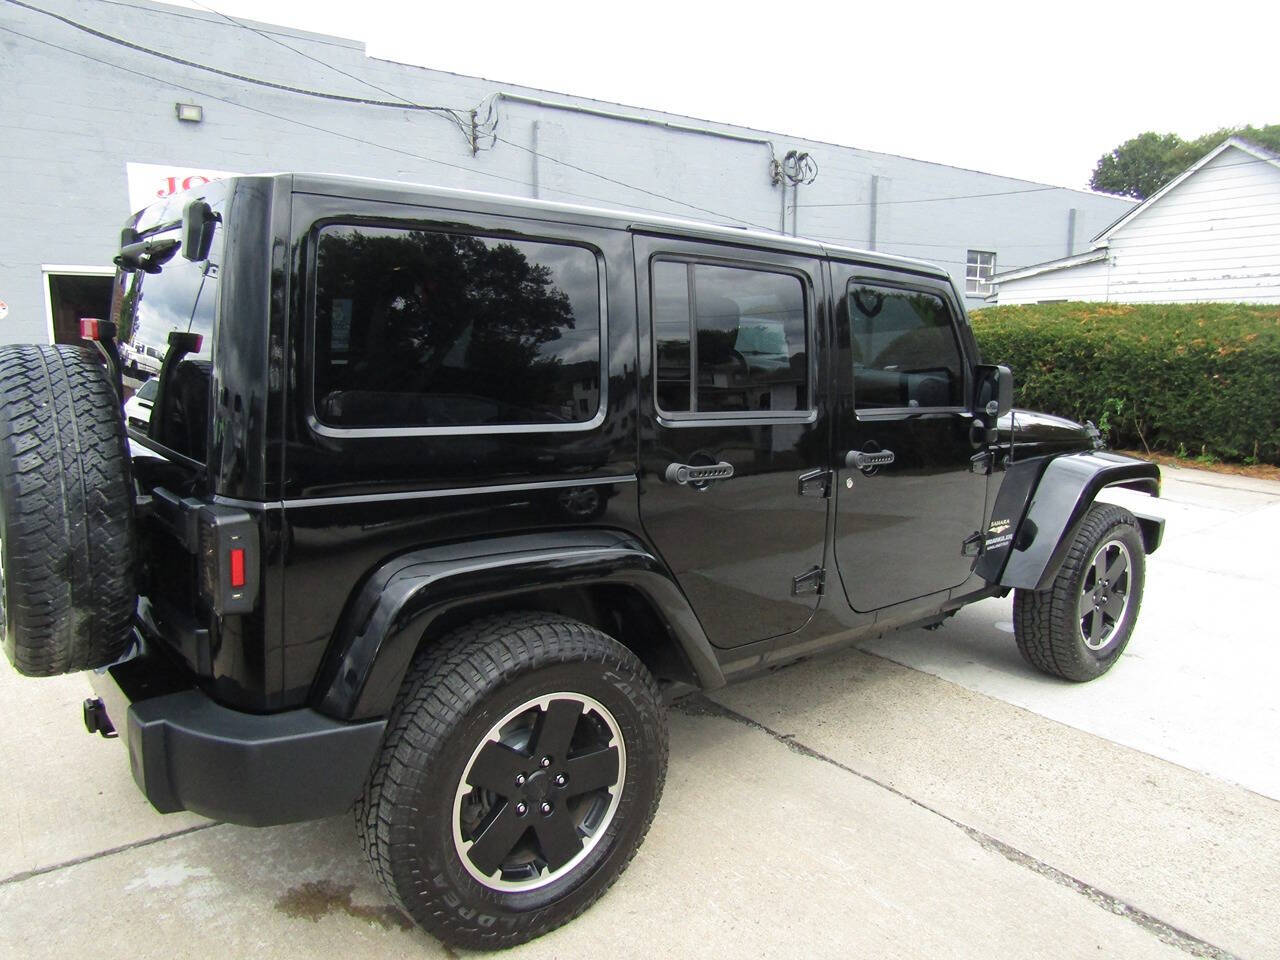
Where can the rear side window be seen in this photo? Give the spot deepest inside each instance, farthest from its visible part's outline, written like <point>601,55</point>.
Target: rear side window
<point>417,328</point>
<point>175,295</point>
<point>904,349</point>
<point>728,339</point>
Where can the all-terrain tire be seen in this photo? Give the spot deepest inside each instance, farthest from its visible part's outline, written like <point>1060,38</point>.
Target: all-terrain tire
<point>66,524</point>
<point>454,694</point>
<point>1051,626</point>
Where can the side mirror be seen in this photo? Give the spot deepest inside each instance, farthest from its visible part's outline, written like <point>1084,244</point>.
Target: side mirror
<point>994,391</point>
<point>198,221</point>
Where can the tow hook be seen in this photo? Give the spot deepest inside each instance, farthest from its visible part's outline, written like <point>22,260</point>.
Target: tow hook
<point>96,719</point>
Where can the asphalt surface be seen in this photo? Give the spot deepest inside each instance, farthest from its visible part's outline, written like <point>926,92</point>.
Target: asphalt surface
<point>928,795</point>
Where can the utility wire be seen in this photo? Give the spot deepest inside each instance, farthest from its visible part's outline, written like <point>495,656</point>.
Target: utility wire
<point>456,116</point>
<point>405,105</point>
<point>494,136</point>
<point>608,202</point>
<point>302,53</point>
<point>283,119</point>
<point>629,186</point>
<point>1007,193</point>
<point>258,81</point>
<point>370,143</point>
<point>459,117</point>
<point>966,196</point>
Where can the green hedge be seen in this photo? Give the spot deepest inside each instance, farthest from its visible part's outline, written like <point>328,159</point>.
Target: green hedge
<point>1197,379</point>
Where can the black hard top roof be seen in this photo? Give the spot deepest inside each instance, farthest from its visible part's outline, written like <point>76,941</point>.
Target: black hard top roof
<point>362,188</point>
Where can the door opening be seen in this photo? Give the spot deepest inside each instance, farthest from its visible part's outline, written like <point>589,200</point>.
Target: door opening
<point>73,295</point>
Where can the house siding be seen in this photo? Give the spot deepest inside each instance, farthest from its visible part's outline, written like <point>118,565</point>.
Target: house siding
<point>1213,237</point>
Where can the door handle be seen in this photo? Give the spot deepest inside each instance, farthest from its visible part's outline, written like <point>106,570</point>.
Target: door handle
<point>861,460</point>
<point>685,473</point>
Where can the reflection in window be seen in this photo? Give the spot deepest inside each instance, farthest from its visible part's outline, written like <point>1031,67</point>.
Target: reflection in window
<point>180,298</point>
<point>742,330</point>
<point>417,328</point>
<point>903,349</point>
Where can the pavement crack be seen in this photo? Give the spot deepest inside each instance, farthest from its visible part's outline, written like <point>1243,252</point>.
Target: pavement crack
<point>700,705</point>
<point>101,854</point>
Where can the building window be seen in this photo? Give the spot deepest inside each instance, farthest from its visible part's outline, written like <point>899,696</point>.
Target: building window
<point>417,328</point>
<point>978,271</point>
<point>729,339</point>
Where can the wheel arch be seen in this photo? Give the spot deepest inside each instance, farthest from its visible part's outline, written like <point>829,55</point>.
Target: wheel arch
<point>607,579</point>
<point>1050,501</point>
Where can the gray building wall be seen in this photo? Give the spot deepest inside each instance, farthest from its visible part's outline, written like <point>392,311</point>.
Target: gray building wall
<point>78,107</point>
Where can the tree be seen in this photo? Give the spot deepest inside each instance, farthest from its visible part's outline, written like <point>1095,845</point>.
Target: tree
<point>1143,164</point>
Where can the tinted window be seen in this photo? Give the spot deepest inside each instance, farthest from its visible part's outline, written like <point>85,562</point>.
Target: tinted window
<point>743,330</point>
<point>903,348</point>
<point>418,328</point>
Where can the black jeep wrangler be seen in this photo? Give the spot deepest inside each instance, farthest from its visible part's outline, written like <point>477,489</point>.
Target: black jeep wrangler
<point>443,494</point>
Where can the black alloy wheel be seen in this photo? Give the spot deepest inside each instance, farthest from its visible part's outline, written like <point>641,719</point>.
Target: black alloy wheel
<point>1104,594</point>
<point>539,792</point>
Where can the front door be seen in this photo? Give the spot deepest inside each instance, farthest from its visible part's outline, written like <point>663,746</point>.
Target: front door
<point>910,499</point>
<point>732,423</point>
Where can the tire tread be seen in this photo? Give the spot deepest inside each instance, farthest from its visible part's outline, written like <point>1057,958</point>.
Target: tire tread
<point>68,530</point>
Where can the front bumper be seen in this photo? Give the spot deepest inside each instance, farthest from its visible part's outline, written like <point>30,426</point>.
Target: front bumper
<point>189,753</point>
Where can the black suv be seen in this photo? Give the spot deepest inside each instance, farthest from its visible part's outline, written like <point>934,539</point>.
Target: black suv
<point>444,494</point>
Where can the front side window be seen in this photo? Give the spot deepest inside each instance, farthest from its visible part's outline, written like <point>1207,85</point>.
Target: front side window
<point>728,339</point>
<point>416,328</point>
<point>904,349</point>
<point>980,267</point>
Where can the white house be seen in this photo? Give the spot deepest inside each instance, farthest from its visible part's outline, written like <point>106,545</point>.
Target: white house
<point>1210,234</point>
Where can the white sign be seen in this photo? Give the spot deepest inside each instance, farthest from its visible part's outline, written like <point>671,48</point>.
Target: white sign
<point>4,310</point>
<point>149,182</point>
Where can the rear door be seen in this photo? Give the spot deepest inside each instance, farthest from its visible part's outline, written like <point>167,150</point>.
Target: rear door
<point>730,338</point>
<point>911,497</point>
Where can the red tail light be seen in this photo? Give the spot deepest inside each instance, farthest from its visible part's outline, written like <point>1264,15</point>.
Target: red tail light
<point>237,567</point>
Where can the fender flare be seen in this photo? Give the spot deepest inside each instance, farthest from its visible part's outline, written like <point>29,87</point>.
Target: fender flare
<point>379,633</point>
<point>1052,510</point>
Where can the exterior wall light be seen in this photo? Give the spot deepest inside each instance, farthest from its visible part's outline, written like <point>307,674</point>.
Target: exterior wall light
<point>189,112</point>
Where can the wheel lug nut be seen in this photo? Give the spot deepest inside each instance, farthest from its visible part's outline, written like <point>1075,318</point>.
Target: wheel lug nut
<point>520,778</point>
<point>545,808</point>
<point>560,780</point>
<point>544,762</point>
<point>521,809</point>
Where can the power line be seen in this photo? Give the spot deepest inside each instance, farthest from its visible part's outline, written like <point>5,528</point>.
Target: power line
<point>966,196</point>
<point>276,116</point>
<point>334,133</point>
<point>629,186</point>
<point>451,112</point>
<point>495,137</point>
<point>361,140</point>
<point>455,115</point>
<point>1007,193</point>
<point>302,53</point>
<point>258,81</point>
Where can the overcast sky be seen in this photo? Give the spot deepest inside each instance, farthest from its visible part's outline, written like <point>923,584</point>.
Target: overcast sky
<point>1027,89</point>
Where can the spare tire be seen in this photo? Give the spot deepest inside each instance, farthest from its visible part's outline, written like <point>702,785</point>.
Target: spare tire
<point>66,512</point>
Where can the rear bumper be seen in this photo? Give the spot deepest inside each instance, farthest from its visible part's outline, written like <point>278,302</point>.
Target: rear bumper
<point>189,753</point>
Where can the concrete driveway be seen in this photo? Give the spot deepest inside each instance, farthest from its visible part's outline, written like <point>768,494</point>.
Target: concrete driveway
<point>928,795</point>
